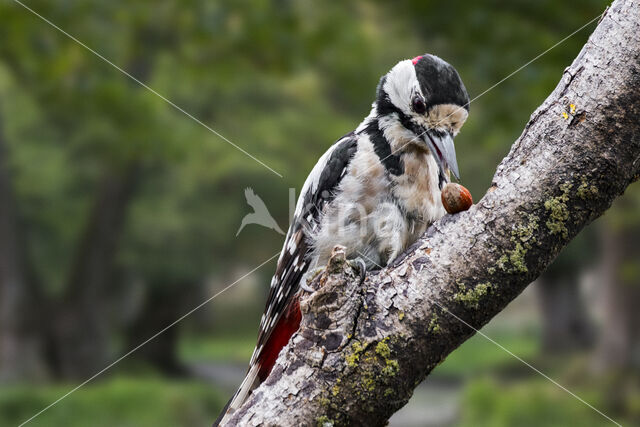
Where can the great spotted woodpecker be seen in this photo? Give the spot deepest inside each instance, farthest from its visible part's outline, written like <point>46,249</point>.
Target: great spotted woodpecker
<point>374,191</point>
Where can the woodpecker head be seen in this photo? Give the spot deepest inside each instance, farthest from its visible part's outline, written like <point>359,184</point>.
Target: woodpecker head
<point>424,102</point>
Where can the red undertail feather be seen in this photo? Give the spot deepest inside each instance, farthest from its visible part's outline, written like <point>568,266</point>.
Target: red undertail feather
<point>285,328</point>
<point>287,325</point>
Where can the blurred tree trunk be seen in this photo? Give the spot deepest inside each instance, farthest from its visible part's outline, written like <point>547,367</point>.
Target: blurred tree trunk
<point>19,344</point>
<point>565,325</point>
<point>163,304</point>
<point>82,327</point>
<point>82,332</point>
<point>619,338</point>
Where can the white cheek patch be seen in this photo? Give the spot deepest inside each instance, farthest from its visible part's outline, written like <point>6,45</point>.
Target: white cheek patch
<point>401,83</point>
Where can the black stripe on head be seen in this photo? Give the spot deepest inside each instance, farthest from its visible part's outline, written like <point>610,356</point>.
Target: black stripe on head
<point>440,82</point>
<point>382,148</point>
<point>385,107</point>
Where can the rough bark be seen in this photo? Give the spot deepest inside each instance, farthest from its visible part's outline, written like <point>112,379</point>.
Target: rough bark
<point>361,350</point>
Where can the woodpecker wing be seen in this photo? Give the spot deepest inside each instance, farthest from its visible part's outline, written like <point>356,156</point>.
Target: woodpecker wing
<point>317,191</point>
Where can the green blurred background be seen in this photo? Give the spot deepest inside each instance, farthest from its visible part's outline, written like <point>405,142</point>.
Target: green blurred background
<point>118,214</point>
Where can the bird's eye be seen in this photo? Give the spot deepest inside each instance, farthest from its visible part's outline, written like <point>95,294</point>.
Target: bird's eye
<point>418,104</point>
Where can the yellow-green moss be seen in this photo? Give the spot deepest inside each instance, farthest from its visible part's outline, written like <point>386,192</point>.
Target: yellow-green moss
<point>352,360</point>
<point>401,315</point>
<point>392,368</point>
<point>335,390</point>
<point>324,421</point>
<point>559,211</point>
<point>375,366</point>
<point>471,298</point>
<point>586,191</point>
<point>369,383</point>
<point>516,257</point>
<point>433,324</point>
<point>382,349</point>
<point>523,238</point>
<point>526,233</point>
<point>503,262</point>
<point>354,357</point>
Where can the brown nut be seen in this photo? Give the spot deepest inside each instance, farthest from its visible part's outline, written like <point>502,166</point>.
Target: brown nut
<point>456,198</point>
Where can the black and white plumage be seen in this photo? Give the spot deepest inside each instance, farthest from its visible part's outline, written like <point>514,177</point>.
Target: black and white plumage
<point>374,191</point>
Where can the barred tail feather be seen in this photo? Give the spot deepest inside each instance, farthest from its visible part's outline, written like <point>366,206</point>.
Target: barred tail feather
<point>250,382</point>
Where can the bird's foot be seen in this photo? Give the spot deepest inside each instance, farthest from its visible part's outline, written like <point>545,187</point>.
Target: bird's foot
<point>359,265</point>
<point>309,278</point>
<point>306,288</point>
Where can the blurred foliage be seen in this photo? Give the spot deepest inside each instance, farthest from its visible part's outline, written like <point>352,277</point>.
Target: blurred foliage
<point>221,349</point>
<point>534,402</point>
<point>478,355</point>
<point>116,402</point>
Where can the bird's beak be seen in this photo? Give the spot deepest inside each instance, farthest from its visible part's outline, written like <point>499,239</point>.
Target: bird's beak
<point>443,151</point>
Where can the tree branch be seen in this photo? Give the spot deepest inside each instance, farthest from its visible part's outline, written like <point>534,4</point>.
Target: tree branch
<point>362,349</point>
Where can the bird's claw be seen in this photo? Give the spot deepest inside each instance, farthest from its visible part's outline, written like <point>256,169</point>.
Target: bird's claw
<point>306,288</point>
<point>308,278</point>
<point>357,264</point>
<point>361,266</point>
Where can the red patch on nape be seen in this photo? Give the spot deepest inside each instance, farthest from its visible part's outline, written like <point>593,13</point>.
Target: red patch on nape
<point>415,60</point>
